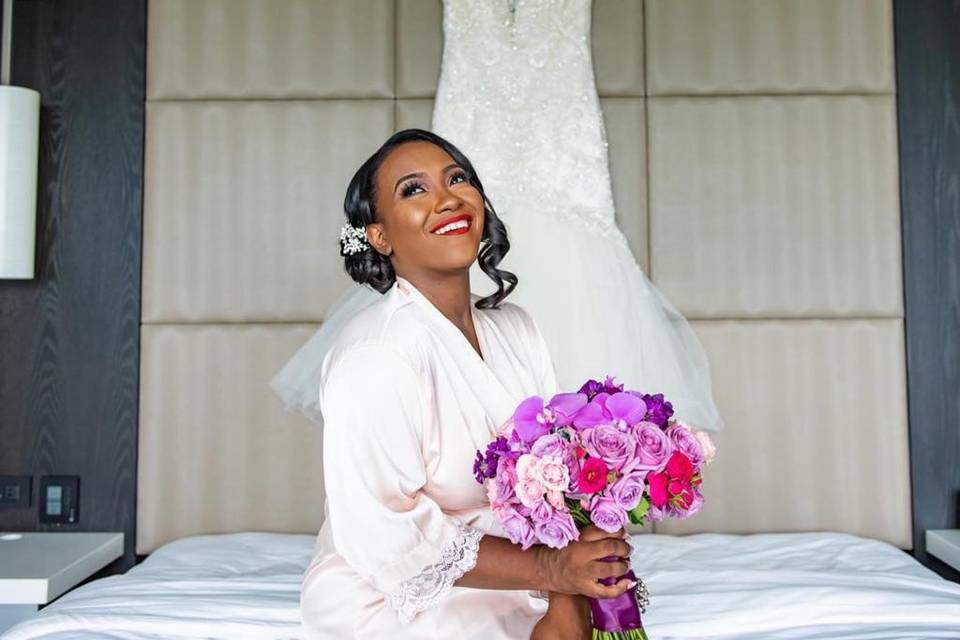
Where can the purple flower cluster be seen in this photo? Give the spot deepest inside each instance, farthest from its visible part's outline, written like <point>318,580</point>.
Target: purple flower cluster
<point>485,466</point>
<point>588,457</point>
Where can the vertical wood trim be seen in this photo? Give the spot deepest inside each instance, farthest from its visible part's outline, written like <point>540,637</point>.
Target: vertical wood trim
<point>70,338</point>
<point>928,101</point>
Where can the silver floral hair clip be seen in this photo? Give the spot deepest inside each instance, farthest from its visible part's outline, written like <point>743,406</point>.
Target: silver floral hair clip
<point>353,239</point>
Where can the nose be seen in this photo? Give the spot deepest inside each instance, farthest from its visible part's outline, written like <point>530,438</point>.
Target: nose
<point>448,201</point>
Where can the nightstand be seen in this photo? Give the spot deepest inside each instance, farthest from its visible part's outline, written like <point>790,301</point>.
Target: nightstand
<point>36,568</point>
<point>944,544</point>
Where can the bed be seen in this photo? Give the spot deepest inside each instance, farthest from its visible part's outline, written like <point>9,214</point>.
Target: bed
<point>792,585</point>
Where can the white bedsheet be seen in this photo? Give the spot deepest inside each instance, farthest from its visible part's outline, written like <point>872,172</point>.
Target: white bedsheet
<point>812,586</point>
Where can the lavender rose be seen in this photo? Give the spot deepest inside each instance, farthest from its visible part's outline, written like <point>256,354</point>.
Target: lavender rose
<point>549,445</point>
<point>517,527</point>
<point>607,514</point>
<point>628,490</point>
<point>558,530</point>
<point>686,443</point>
<point>616,448</point>
<point>653,447</point>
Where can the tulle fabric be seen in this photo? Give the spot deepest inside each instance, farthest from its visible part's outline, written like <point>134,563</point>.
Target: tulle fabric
<point>298,382</point>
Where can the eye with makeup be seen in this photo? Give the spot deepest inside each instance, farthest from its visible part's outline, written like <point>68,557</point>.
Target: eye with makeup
<point>409,187</point>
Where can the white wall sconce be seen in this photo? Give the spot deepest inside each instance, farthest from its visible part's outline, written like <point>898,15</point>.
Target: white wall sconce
<point>19,140</point>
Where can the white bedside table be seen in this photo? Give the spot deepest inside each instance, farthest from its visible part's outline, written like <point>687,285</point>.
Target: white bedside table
<point>36,568</point>
<point>944,544</point>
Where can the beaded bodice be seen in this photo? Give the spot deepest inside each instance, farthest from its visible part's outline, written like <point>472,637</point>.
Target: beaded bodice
<point>517,95</point>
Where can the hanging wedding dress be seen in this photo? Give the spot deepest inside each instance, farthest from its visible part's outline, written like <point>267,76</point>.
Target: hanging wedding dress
<point>517,95</point>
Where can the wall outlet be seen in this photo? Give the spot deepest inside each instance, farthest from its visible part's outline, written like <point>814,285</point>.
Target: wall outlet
<point>16,492</point>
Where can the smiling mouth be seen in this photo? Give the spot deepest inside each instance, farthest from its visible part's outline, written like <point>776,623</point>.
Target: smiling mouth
<point>456,226</point>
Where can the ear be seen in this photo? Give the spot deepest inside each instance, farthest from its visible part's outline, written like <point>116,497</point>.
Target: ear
<point>378,240</point>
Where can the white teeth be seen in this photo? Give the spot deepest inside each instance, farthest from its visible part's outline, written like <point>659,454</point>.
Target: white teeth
<point>459,224</point>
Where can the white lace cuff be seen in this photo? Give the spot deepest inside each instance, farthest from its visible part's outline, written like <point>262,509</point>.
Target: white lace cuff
<point>425,589</point>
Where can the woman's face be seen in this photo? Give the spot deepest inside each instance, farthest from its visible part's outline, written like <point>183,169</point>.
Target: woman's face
<point>430,218</point>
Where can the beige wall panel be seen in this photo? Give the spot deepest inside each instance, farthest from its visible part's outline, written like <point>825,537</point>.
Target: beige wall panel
<point>415,113</point>
<point>816,435</point>
<point>769,46</point>
<point>617,41</point>
<point>616,38</point>
<point>243,205</point>
<point>275,48</point>
<point>627,148</point>
<point>772,207</point>
<point>217,451</point>
<point>419,47</point>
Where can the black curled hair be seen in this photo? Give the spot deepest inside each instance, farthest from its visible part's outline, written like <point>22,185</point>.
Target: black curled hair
<point>373,268</point>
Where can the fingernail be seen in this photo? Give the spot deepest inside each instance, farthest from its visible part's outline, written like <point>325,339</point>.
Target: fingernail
<point>632,584</point>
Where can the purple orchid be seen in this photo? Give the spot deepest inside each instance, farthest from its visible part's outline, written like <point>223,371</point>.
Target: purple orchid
<point>621,409</point>
<point>534,419</point>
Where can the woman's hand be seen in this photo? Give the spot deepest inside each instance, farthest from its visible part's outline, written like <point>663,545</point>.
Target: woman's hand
<point>576,568</point>
<point>567,618</point>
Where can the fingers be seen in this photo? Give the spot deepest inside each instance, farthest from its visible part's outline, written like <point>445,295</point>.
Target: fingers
<point>611,547</point>
<point>609,569</point>
<point>619,588</point>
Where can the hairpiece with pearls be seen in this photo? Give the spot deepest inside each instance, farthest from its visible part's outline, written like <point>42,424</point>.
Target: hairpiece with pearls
<point>353,239</point>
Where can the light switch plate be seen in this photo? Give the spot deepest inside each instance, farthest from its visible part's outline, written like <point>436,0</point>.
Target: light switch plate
<point>58,501</point>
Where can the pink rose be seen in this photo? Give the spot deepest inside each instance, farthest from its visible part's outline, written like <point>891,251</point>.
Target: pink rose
<point>709,449</point>
<point>529,491</point>
<point>525,466</point>
<point>555,498</point>
<point>552,473</point>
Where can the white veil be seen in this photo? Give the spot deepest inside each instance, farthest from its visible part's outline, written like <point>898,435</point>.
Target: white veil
<point>298,382</point>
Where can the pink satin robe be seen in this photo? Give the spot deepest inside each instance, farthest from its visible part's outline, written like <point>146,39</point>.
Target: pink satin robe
<point>407,402</point>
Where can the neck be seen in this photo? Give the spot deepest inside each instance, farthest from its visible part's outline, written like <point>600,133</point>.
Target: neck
<point>449,293</point>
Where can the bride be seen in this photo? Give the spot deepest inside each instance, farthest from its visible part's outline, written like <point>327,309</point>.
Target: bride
<point>413,385</point>
<point>517,94</point>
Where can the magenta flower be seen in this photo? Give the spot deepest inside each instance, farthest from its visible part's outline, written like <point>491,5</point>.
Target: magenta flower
<point>593,476</point>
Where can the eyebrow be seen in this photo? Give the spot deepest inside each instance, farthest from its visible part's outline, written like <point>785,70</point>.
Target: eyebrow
<point>420,174</point>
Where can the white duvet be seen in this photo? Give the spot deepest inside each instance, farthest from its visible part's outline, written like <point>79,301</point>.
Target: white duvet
<point>816,585</point>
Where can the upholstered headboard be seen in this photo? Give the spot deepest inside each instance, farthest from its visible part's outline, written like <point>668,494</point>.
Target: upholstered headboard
<point>753,151</point>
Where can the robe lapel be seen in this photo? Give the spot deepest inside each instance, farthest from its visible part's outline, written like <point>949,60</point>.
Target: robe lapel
<point>498,402</point>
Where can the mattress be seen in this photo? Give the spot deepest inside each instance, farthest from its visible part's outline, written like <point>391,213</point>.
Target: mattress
<point>800,585</point>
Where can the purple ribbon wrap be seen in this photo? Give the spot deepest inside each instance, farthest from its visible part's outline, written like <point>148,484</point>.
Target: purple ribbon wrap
<point>616,614</point>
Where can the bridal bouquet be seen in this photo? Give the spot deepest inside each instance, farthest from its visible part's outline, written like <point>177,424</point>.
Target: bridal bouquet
<point>601,455</point>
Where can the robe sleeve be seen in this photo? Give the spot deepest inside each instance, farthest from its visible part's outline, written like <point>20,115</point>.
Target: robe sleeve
<point>383,526</point>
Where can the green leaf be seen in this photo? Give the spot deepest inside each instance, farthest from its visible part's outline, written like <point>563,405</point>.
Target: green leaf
<point>639,512</point>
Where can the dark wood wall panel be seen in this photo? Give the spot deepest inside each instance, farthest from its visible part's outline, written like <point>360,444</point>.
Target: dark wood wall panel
<point>69,339</point>
<point>928,101</point>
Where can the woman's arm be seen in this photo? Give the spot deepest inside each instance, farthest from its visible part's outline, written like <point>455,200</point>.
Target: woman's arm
<point>574,569</point>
